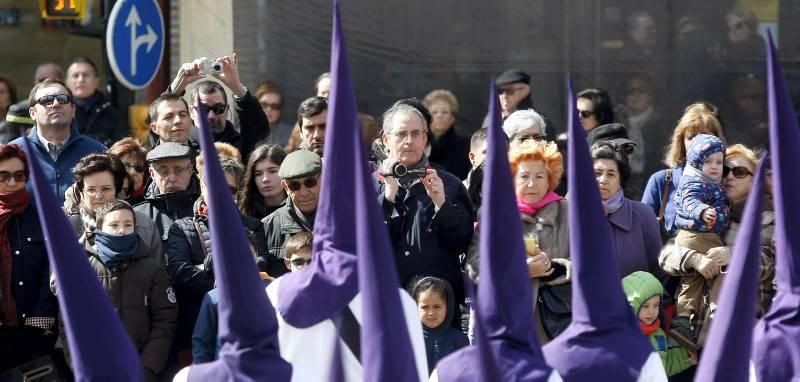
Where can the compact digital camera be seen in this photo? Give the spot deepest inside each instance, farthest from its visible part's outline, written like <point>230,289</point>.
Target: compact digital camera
<point>211,66</point>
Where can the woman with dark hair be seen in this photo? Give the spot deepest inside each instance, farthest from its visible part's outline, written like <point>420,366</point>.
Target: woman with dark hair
<point>594,108</point>
<point>132,154</point>
<point>99,179</point>
<point>634,228</point>
<point>263,193</point>
<point>27,308</point>
<point>8,96</point>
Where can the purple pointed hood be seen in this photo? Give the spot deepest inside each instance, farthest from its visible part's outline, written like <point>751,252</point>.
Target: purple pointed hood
<point>776,339</point>
<point>84,305</point>
<point>248,327</point>
<point>726,356</point>
<point>316,294</point>
<point>507,347</point>
<point>603,342</point>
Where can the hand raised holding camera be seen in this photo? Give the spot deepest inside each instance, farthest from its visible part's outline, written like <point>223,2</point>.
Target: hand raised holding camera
<point>229,74</point>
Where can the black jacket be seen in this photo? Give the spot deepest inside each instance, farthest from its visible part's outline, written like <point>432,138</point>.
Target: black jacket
<point>100,120</point>
<point>279,226</point>
<point>253,124</point>
<point>164,209</point>
<point>452,152</point>
<point>428,243</point>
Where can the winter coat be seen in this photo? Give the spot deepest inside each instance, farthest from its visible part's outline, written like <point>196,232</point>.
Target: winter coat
<point>189,264</point>
<point>164,209</point>
<point>696,192</point>
<point>59,172</point>
<point>654,191</point>
<point>30,268</point>
<point>640,287</point>
<point>636,238</point>
<point>444,339</point>
<point>279,226</point>
<point>95,117</point>
<point>452,152</point>
<point>427,242</point>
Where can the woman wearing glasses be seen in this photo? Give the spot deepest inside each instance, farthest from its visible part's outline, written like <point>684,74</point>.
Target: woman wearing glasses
<point>740,166</point>
<point>132,154</point>
<point>634,228</point>
<point>27,308</point>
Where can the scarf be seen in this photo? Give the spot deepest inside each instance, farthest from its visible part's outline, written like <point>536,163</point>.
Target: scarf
<point>114,249</point>
<point>139,194</point>
<point>614,202</point>
<point>532,208</point>
<point>650,329</point>
<point>11,204</point>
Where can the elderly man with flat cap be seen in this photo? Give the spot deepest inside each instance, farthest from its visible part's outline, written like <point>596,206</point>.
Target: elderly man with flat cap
<point>300,177</point>
<point>514,91</point>
<point>173,186</point>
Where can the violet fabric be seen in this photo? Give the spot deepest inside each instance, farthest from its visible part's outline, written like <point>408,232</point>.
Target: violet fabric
<point>636,238</point>
<point>507,348</point>
<point>248,327</point>
<point>726,356</point>
<point>776,341</point>
<point>603,342</point>
<point>84,305</point>
<point>318,293</point>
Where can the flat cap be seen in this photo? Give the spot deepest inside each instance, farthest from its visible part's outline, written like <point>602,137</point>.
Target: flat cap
<point>300,164</point>
<point>18,113</point>
<point>169,150</point>
<point>512,76</point>
<point>614,132</point>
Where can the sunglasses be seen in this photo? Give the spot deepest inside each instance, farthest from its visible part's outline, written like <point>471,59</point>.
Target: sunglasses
<point>300,262</point>
<point>18,176</point>
<point>218,108</point>
<point>739,172</point>
<point>138,167</point>
<point>48,100</point>
<point>585,113</point>
<point>295,185</point>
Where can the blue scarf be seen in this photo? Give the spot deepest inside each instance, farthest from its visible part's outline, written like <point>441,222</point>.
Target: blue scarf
<point>614,202</point>
<point>114,249</point>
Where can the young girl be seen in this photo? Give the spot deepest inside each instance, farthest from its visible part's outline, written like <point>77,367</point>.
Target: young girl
<point>435,303</point>
<point>644,292</point>
<point>702,214</point>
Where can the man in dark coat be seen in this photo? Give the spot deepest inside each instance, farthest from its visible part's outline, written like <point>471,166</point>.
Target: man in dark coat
<point>95,116</point>
<point>428,212</point>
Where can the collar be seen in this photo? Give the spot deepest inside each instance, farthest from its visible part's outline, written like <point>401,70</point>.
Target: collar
<point>47,143</point>
<point>623,217</point>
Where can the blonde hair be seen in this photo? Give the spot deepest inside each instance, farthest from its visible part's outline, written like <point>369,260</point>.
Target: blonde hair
<point>442,95</point>
<point>697,117</point>
<point>224,150</point>
<point>744,152</point>
<point>544,151</point>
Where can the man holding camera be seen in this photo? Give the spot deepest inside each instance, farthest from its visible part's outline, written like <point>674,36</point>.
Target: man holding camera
<point>428,212</point>
<point>253,122</point>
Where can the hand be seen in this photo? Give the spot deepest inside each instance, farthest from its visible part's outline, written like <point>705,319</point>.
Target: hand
<point>720,255</point>
<point>230,73</point>
<point>693,358</point>
<point>434,187</point>
<point>539,265</point>
<point>187,74</point>
<point>709,215</point>
<point>392,185</point>
<point>705,266</point>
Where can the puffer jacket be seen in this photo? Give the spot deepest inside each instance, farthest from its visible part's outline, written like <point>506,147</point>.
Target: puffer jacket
<point>696,192</point>
<point>164,209</point>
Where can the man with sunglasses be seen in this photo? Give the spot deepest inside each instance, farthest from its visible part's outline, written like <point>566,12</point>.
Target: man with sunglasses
<point>300,177</point>
<point>253,124</point>
<point>57,144</point>
<point>514,92</point>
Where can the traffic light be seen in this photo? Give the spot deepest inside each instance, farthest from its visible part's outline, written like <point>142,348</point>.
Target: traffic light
<point>63,9</point>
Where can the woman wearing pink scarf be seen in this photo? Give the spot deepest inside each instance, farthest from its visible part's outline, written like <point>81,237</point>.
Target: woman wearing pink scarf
<point>537,167</point>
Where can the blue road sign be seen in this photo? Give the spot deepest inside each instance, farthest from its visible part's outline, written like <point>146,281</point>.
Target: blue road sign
<point>135,41</point>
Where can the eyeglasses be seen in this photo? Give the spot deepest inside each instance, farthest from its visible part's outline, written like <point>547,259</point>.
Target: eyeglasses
<point>217,109</point>
<point>510,91</point>
<point>165,171</point>
<point>739,172</point>
<point>48,100</point>
<point>138,167</point>
<point>585,113</point>
<point>295,185</point>
<point>18,176</point>
<point>415,134</point>
<point>300,262</point>
<point>274,106</point>
<point>524,137</point>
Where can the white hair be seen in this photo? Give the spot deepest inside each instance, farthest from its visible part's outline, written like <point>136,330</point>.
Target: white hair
<point>401,108</point>
<point>522,120</point>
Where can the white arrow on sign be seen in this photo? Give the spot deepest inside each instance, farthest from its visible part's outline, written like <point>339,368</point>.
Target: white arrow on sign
<point>149,38</point>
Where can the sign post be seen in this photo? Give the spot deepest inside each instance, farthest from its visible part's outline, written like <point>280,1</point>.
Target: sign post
<point>135,41</point>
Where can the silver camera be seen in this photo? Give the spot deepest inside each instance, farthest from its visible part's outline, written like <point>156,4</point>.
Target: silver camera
<point>212,66</point>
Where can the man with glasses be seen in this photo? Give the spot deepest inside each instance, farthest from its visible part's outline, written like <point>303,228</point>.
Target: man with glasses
<point>514,92</point>
<point>57,145</point>
<point>428,212</point>
<point>300,177</point>
<point>253,124</point>
<point>173,187</point>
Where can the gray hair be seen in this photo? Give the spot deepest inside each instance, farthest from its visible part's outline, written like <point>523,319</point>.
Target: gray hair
<point>388,116</point>
<point>523,119</point>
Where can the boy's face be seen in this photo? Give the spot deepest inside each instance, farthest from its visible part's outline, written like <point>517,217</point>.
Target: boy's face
<point>119,222</point>
<point>432,309</point>
<point>648,312</point>
<point>298,260</point>
<point>712,166</point>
